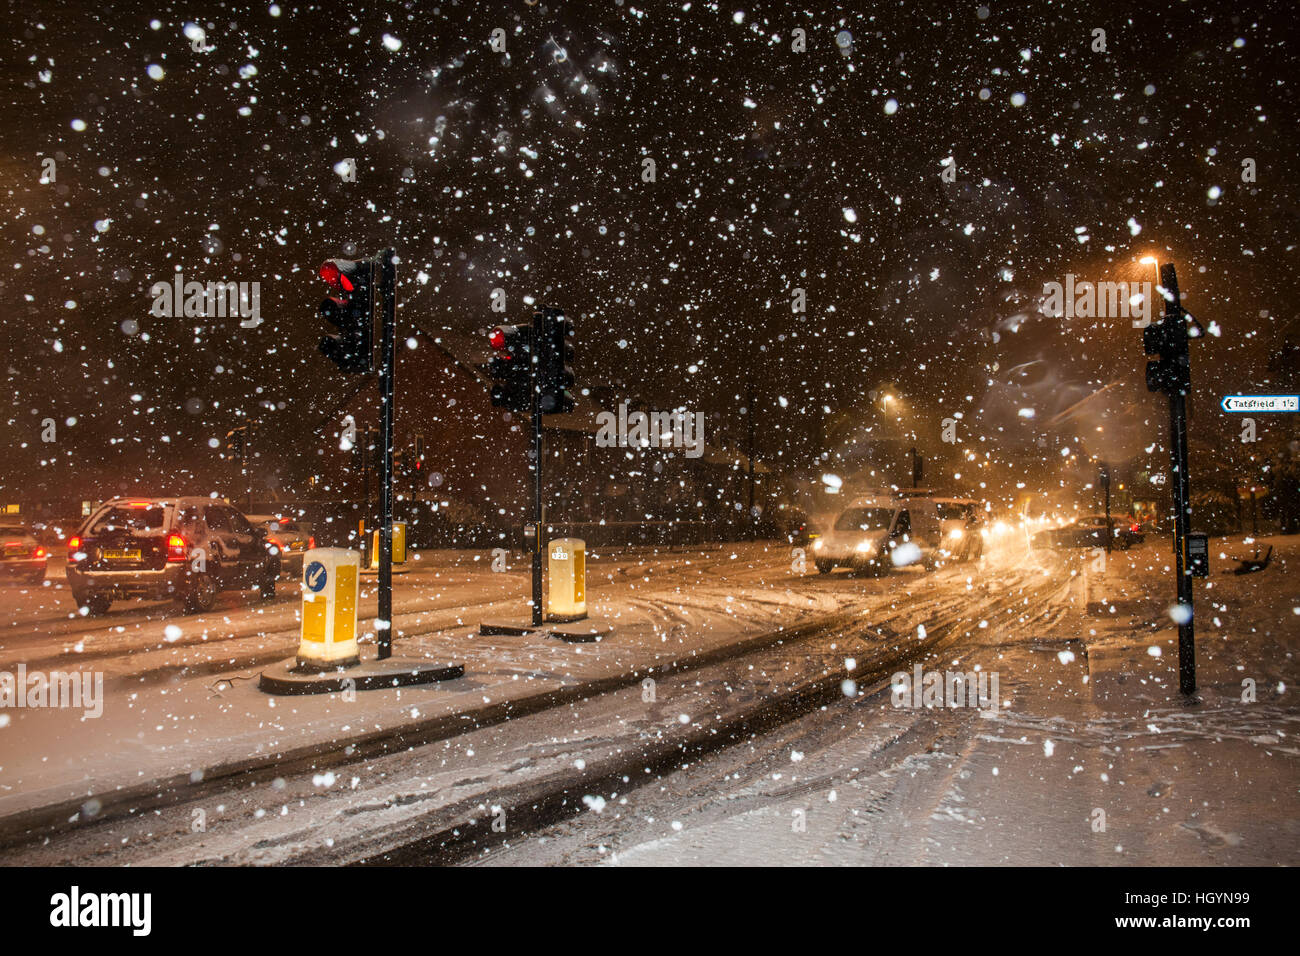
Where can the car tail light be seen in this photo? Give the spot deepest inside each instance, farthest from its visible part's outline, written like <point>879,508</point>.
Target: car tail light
<point>13,544</point>
<point>40,553</point>
<point>311,542</point>
<point>74,545</point>
<point>176,547</point>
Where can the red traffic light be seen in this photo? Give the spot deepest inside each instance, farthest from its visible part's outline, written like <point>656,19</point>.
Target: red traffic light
<point>335,273</point>
<point>497,338</point>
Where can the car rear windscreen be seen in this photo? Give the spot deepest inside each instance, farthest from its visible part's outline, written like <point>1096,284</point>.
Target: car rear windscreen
<point>864,519</point>
<point>151,518</point>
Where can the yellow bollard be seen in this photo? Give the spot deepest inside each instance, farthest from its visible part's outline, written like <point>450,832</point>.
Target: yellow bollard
<point>329,609</point>
<point>399,545</point>
<point>567,591</point>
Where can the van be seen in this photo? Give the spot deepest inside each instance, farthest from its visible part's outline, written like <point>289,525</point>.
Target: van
<point>869,533</point>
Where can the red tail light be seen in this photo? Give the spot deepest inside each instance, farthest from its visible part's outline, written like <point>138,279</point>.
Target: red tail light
<point>13,544</point>
<point>311,542</point>
<point>40,553</point>
<point>176,548</point>
<point>1135,528</point>
<point>74,545</point>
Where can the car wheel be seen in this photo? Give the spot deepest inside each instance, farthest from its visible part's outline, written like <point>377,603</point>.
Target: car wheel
<point>201,595</point>
<point>98,604</point>
<point>825,567</point>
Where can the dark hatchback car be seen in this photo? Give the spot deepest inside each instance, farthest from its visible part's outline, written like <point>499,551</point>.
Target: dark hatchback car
<point>187,549</point>
<point>1090,532</point>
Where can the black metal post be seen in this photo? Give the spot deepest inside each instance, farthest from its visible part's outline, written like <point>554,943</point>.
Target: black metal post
<point>749,455</point>
<point>387,368</point>
<point>539,506</point>
<point>369,442</point>
<point>1105,484</point>
<point>1181,496</point>
<point>248,472</point>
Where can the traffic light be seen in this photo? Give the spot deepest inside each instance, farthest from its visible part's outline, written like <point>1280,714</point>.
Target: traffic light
<point>511,368</point>
<point>348,307</point>
<point>1171,373</point>
<point>235,439</point>
<point>555,359</point>
<point>418,462</point>
<point>366,453</point>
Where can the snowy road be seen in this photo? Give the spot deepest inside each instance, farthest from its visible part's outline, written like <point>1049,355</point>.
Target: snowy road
<point>1089,756</point>
<point>1090,759</point>
<point>385,803</point>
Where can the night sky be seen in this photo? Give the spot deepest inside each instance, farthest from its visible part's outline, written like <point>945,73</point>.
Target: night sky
<point>775,169</point>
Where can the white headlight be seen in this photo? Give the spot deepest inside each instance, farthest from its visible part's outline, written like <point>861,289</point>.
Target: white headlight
<point>955,533</point>
<point>817,545</point>
<point>864,547</point>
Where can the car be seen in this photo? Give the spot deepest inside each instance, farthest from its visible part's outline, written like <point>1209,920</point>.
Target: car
<point>186,549</point>
<point>21,555</point>
<point>1089,531</point>
<point>798,529</point>
<point>866,533</point>
<point>293,538</point>
<point>961,521</point>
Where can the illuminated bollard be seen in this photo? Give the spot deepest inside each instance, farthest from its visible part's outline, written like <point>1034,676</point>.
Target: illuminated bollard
<point>329,609</point>
<point>399,545</point>
<point>566,593</point>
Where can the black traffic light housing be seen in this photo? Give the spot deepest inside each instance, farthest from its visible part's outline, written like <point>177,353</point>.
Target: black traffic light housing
<point>235,439</point>
<point>1169,339</point>
<point>511,367</point>
<point>1171,373</point>
<point>556,362</point>
<point>349,307</point>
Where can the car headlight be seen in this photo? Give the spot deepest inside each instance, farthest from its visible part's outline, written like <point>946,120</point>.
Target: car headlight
<point>955,534</point>
<point>864,547</point>
<point>817,545</point>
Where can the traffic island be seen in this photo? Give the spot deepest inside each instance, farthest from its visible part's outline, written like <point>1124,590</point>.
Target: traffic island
<point>329,658</point>
<point>584,631</point>
<point>291,678</point>
<point>506,628</point>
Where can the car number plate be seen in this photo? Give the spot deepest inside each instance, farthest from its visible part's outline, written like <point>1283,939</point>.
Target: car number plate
<point>121,554</point>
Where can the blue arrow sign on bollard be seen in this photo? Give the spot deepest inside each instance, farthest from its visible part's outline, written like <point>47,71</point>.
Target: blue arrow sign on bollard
<point>316,576</point>
<point>1260,403</point>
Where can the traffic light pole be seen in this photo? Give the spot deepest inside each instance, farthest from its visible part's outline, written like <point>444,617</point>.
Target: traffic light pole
<point>387,368</point>
<point>248,473</point>
<point>1105,486</point>
<point>1181,492</point>
<point>539,506</point>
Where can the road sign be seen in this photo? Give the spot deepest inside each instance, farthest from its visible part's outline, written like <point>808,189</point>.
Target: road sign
<point>1260,403</point>
<point>316,577</point>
